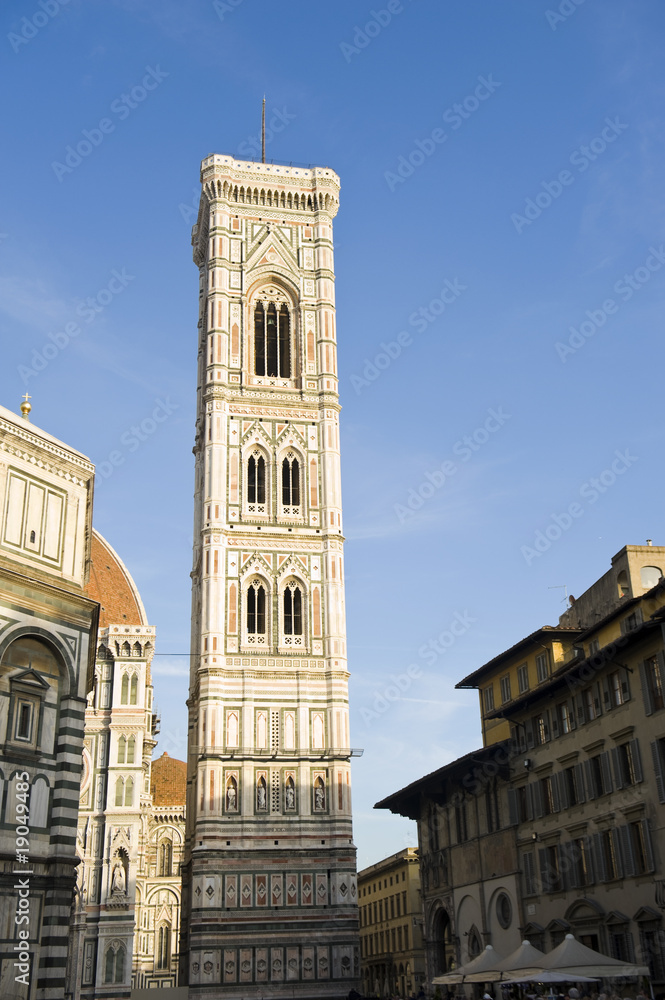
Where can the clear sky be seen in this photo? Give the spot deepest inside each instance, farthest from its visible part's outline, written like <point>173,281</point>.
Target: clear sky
<point>502,182</point>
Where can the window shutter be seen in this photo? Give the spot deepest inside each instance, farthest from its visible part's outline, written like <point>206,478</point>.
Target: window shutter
<point>537,800</point>
<point>597,699</point>
<point>513,811</point>
<point>590,783</point>
<point>637,760</point>
<point>544,870</point>
<point>616,762</point>
<point>627,853</point>
<point>567,866</point>
<point>646,690</point>
<point>599,858</point>
<point>625,685</point>
<point>556,784</point>
<point>607,698</point>
<point>559,781</point>
<point>590,860</point>
<point>529,802</point>
<point>572,713</point>
<point>579,783</point>
<point>579,708</point>
<point>658,769</point>
<point>530,737</point>
<point>606,773</point>
<point>554,716</point>
<point>648,848</point>
<point>529,870</point>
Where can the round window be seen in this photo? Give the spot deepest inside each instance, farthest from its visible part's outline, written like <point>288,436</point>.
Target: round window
<point>504,910</point>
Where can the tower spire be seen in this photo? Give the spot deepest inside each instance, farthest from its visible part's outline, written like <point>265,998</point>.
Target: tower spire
<point>263,130</point>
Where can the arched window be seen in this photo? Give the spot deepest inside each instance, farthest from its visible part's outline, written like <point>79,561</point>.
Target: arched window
<point>119,791</point>
<point>272,355</point>
<point>292,610</point>
<point>165,858</point>
<point>291,482</point>
<point>131,747</point>
<point>133,691</point>
<point>122,748</point>
<point>124,690</point>
<point>129,792</point>
<point>114,967</point>
<point>256,612</point>
<point>163,949</point>
<point>256,483</point>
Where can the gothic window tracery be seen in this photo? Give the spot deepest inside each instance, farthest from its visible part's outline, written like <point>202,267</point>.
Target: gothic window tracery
<point>292,615</point>
<point>114,967</point>
<point>290,485</point>
<point>256,483</point>
<point>272,334</point>
<point>256,618</point>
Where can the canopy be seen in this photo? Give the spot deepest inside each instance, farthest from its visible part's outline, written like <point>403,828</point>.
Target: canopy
<point>549,977</point>
<point>525,960</point>
<point>477,971</point>
<point>574,958</point>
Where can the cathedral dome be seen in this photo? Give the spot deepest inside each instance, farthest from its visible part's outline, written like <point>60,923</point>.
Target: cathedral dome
<point>168,781</point>
<point>111,585</point>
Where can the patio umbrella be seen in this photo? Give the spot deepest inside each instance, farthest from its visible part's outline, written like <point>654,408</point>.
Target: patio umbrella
<point>549,977</point>
<point>524,961</point>
<point>475,971</point>
<point>573,958</point>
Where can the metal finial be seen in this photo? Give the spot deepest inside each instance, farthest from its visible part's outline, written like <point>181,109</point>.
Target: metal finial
<point>26,407</point>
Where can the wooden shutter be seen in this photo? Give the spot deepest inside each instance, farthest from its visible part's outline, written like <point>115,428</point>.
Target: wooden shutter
<point>559,780</point>
<point>606,773</point>
<point>590,783</point>
<point>513,808</point>
<point>637,760</point>
<point>648,848</point>
<point>657,759</point>
<point>579,783</point>
<point>616,762</point>
<point>627,853</point>
<point>646,689</point>
<point>529,871</point>
<point>599,858</point>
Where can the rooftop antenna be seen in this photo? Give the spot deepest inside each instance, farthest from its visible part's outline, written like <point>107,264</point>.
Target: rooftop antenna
<point>564,587</point>
<point>263,131</point>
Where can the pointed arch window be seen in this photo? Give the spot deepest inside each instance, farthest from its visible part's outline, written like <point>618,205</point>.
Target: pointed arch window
<point>163,949</point>
<point>131,749</point>
<point>256,613</point>
<point>119,791</point>
<point>165,858</point>
<point>292,618</point>
<point>133,690</point>
<point>256,483</point>
<point>272,328</point>
<point>124,690</point>
<point>122,748</point>
<point>129,792</point>
<point>291,484</point>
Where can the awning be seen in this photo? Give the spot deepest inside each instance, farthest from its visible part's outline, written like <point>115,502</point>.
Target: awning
<point>574,958</point>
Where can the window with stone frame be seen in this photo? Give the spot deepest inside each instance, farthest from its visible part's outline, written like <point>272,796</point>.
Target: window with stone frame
<point>256,613</point>
<point>257,483</point>
<point>291,486</point>
<point>293,617</point>
<point>652,683</point>
<point>272,337</point>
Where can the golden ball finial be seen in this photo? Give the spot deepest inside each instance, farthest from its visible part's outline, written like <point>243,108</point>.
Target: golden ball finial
<point>26,407</point>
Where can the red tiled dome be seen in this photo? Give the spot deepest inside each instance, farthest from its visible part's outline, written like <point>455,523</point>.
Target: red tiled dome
<point>168,784</point>
<point>113,587</point>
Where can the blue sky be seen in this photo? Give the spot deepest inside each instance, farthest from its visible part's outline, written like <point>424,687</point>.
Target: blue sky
<point>532,208</point>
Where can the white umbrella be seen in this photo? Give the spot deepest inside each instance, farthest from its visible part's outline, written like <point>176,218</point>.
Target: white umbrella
<point>480,970</point>
<point>550,977</point>
<point>524,961</point>
<point>574,958</point>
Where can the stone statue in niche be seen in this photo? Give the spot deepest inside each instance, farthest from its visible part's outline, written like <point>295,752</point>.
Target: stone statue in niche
<point>118,880</point>
<point>231,797</point>
<point>290,796</point>
<point>319,796</point>
<point>261,796</point>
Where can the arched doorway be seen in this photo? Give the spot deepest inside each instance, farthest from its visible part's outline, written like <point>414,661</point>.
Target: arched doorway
<point>443,951</point>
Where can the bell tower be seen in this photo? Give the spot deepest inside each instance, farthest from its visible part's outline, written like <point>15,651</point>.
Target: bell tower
<point>270,892</point>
